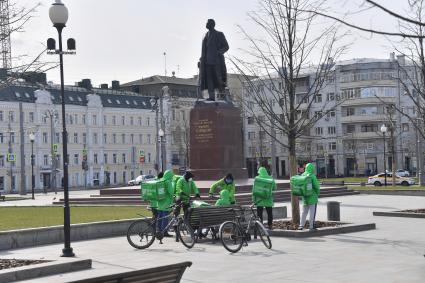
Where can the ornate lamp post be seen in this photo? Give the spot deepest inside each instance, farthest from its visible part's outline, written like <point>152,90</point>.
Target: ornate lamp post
<point>384,130</point>
<point>161,138</point>
<point>58,14</point>
<point>32,138</point>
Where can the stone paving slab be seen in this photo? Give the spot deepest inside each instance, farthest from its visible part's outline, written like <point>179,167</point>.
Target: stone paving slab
<point>391,253</point>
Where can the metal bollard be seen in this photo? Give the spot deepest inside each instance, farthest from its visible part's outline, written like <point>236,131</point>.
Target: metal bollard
<point>333,210</point>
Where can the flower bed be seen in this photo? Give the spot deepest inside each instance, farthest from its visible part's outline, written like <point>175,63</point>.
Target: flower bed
<point>289,225</point>
<point>11,263</point>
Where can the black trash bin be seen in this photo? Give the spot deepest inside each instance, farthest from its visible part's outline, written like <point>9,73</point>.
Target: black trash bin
<point>333,211</point>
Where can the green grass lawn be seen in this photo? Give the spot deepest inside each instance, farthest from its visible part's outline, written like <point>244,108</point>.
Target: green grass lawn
<point>31,217</point>
<point>388,188</point>
<point>15,198</point>
<point>345,179</point>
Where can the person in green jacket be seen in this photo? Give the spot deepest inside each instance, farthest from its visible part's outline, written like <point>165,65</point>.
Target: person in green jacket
<point>224,198</point>
<point>163,207</point>
<point>310,202</point>
<point>228,184</point>
<point>267,202</point>
<point>186,187</point>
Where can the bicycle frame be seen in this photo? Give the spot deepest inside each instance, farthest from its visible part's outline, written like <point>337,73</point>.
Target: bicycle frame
<point>251,222</point>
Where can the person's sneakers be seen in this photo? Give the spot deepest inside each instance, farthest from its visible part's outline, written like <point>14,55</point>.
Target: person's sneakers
<point>270,226</point>
<point>210,99</point>
<point>300,228</point>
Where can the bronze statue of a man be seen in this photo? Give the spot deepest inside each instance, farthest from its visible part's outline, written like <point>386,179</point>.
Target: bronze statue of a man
<point>212,66</point>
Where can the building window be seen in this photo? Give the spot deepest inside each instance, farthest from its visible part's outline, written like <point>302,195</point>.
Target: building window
<point>140,121</point>
<point>1,116</point>
<point>114,138</point>
<point>45,160</point>
<point>123,120</point>
<point>105,120</point>
<point>149,158</point>
<point>1,160</point>
<point>331,130</point>
<point>114,120</point>
<point>123,158</point>
<point>351,129</point>
<point>251,120</point>
<point>94,120</point>
<point>405,127</point>
<point>141,138</point>
<point>331,114</point>
<point>57,137</point>
<point>114,158</point>
<point>350,111</point>
<point>123,138</point>
<point>45,138</point>
<point>330,96</point>
<point>76,118</point>
<point>318,131</point>
<point>332,146</point>
<point>31,117</point>
<point>11,116</point>
<point>95,138</point>
<point>76,159</point>
<point>319,147</point>
<point>367,128</point>
<point>84,119</point>
<point>318,98</point>
<point>84,138</point>
<point>115,177</point>
<point>105,138</point>
<point>132,138</point>
<point>124,177</point>
<point>262,135</point>
<point>251,135</point>
<point>131,121</point>
<point>12,137</point>
<point>75,137</point>
<point>148,139</point>
<point>105,158</point>
<point>147,121</point>
<point>95,161</point>
<point>1,137</point>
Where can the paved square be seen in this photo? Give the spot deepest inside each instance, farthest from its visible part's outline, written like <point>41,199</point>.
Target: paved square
<point>391,253</point>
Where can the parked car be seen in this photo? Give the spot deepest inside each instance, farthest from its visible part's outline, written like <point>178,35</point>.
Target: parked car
<point>141,179</point>
<point>379,180</point>
<point>403,173</point>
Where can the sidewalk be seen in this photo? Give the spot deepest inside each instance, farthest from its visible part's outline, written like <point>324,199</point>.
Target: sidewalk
<point>391,253</point>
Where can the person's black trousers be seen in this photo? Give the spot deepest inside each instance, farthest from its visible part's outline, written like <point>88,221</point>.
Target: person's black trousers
<point>269,214</point>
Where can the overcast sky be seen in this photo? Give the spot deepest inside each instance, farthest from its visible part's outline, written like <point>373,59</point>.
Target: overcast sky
<point>125,39</point>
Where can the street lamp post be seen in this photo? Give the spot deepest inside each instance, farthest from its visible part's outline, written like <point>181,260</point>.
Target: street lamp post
<point>32,138</point>
<point>58,14</point>
<point>384,130</point>
<point>161,138</point>
<point>155,107</point>
<point>53,116</point>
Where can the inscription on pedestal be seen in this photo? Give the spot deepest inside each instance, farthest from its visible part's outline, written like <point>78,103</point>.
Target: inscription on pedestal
<point>203,131</point>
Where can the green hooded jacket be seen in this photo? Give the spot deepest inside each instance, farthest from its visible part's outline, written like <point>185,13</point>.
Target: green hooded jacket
<point>228,187</point>
<point>313,198</point>
<point>186,188</point>
<point>164,204</point>
<point>266,202</point>
<point>224,198</point>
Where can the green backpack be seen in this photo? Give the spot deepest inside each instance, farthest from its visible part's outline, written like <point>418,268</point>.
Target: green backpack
<point>149,190</point>
<point>262,187</point>
<point>301,185</point>
<point>176,178</point>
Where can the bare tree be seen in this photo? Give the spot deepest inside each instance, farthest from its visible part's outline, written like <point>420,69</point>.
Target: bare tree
<point>286,81</point>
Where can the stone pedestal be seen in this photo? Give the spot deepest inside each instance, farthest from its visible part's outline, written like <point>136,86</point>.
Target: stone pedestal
<point>216,141</point>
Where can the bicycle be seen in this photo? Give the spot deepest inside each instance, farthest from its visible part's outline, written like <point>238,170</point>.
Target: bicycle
<point>233,235</point>
<point>142,233</point>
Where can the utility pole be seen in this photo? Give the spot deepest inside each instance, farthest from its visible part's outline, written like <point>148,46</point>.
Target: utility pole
<point>52,115</point>
<point>10,151</point>
<point>23,189</point>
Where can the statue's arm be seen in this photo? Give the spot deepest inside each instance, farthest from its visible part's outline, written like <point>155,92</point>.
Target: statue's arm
<point>224,46</point>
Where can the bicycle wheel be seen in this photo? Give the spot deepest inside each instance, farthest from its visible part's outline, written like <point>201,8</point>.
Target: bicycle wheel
<point>264,235</point>
<point>186,234</point>
<point>231,236</point>
<point>141,234</point>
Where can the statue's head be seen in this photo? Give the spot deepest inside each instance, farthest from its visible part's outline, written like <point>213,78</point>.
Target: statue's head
<point>210,24</point>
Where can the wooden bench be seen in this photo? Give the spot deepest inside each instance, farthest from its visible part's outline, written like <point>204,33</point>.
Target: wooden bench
<point>164,274</point>
<point>210,217</point>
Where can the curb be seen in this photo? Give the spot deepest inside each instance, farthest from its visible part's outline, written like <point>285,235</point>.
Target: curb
<point>44,269</point>
<point>399,214</point>
<point>350,228</point>
<point>415,193</point>
<point>55,234</point>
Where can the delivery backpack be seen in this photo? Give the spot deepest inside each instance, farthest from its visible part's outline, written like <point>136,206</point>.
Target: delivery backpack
<point>301,185</point>
<point>154,190</point>
<point>262,187</point>
<point>176,178</point>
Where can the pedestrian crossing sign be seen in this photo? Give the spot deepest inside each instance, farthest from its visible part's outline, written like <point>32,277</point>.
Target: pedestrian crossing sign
<point>11,157</point>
